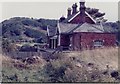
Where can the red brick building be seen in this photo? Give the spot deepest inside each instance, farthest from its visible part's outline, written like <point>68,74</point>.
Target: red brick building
<point>81,29</point>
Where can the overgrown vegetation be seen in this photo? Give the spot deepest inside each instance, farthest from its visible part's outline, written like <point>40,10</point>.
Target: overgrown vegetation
<point>66,67</point>
<point>21,28</point>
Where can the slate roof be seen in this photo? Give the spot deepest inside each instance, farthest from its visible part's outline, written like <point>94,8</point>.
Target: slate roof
<point>52,31</point>
<point>85,27</point>
<point>89,28</point>
<point>68,28</point>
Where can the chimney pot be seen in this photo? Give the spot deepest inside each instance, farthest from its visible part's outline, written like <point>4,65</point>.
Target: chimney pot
<point>74,7</point>
<point>69,12</point>
<point>82,6</point>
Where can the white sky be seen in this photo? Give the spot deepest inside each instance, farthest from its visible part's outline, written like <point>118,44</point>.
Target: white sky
<point>53,9</point>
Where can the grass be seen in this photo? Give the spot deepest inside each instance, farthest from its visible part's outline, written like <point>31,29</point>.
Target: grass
<point>74,65</point>
<point>100,57</point>
<point>26,73</point>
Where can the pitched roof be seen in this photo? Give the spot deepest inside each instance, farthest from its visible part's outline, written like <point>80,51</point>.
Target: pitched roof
<point>52,31</point>
<point>66,27</point>
<point>89,28</point>
<point>85,27</point>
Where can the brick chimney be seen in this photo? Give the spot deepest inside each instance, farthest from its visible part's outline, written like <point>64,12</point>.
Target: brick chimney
<point>69,12</point>
<point>74,7</point>
<point>82,6</point>
<point>82,10</point>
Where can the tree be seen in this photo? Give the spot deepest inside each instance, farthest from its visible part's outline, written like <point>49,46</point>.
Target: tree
<point>96,14</point>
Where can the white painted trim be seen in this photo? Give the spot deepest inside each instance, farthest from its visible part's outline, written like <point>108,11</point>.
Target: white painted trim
<point>74,16</point>
<point>90,16</point>
<point>48,30</point>
<point>58,40</point>
<point>58,26</point>
<point>85,13</point>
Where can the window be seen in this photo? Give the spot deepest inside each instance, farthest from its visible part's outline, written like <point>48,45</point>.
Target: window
<point>98,43</point>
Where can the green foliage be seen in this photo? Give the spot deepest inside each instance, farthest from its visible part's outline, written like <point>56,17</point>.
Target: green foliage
<point>55,74</point>
<point>6,45</point>
<point>28,48</point>
<point>31,22</point>
<point>46,22</point>
<point>18,28</point>
<point>33,33</point>
<point>59,70</point>
<point>36,34</point>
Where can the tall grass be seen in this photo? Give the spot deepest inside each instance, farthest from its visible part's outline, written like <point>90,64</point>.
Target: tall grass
<point>73,65</point>
<point>101,57</point>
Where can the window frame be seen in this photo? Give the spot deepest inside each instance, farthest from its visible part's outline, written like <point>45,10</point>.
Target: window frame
<point>98,43</point>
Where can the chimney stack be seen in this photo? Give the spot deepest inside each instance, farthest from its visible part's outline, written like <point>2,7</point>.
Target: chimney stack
<point>82,6</point>
<point>74,7</point>
<point>69,12</point>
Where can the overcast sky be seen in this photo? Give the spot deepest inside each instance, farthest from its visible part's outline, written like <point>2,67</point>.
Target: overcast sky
<point>53,10</point>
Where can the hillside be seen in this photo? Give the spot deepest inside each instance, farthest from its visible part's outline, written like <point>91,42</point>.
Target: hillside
<point>85,66</point>
<point>21,28</point>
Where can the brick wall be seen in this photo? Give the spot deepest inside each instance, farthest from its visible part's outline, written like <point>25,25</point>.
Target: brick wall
<point>80,19</point>
<point>64,40</point>
<point>85,40</point>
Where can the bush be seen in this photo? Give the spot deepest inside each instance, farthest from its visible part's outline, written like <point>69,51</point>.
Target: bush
<point>34,33</point>
<point>55,74</point>
<point>30,22</point>
<point>28,48</point>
